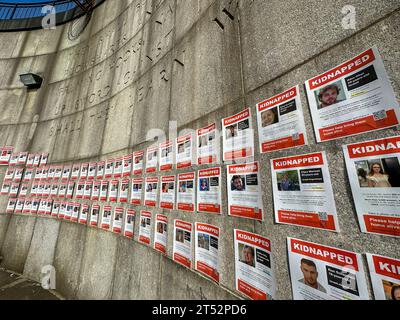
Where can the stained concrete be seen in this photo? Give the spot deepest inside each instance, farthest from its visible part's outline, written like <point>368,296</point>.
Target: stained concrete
<point>142,63</point>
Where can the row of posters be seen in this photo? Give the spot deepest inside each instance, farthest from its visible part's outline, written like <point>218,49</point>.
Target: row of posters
<point>302,189</point>
<point>8,157</point>
<point>318,272</point>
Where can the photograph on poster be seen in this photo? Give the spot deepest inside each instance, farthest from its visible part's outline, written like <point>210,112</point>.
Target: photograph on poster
<point>207,145</point>
<point>167,195</point>
<point>209,191</point>
<point>136,191</point>
<point>161,233</point>
<point>145,227</point>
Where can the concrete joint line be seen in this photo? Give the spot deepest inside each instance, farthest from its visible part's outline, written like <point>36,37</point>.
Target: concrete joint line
<point>15,283</point>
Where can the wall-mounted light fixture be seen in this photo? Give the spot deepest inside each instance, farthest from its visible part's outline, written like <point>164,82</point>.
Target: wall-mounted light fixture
<point>30,80</point>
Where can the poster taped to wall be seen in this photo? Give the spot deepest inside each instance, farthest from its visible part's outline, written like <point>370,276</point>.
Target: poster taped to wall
<point>66,173</point>
<point>92,171</point>
<point>87,194</point>
<point>166,156</point>
<point>207,250</point>
<point>152,159</point>
<point>184,151</point>
<point>281,122</point>
<point>75,212</point>
<point>123,191</point>
<point>209,191</point>
<point>109,169</point>
<point>96,191</point>
<point>84,171</point>
<point>100,170</point>
<point>113,193</point>
<point>254,275</point>
<point>80,190</point>
<point>127,170</point>
<point>207,145</point>
<point>129,227</point>
<point>353,98</point>
<point>118,167</point>
<point>145,227</point>
<point>374,173</point>
<point>385,277</point>
<point>244,191</point>
<point>104,190</point>
<point>28,206</point>
<point>182,248</point>
<point>303,192</point>
<point>136,191</point>
<point>238,137</point>
<point>117,220</point>
<point>161,233</point>
<point>84,214</point>
<point>94,215</point>
<point>12,202</point>
<point>5,155</point>
<point>138,163</point>
<point>150,198</point>
<point>319,272</point>
<point>106,216</point>
<point>76,169</point>
<point>19,205</point>
<point>167,195</point>
<point>61,212</point>
<point>186,192</point>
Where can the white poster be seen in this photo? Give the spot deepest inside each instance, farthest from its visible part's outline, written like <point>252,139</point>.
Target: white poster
<point>109,169</point>
<point>28,206</point>
<point>66,173</point>
<point>138,163</point>
<point>353,98</point>
<point>324,273</point>
<point>136,191</point>
<point>13,159</point>
<point>127,170</point>
<point>55,209</point>
<point>96,191</point>
<point>19,205</point>
<point>106,218</point>
<point>145,227</point>
<point>207,145</point>
<point>152,159</point>
<point>167,195</point>
<point>113,193</point>
<point>118,220</point>
<point>75,212</point>
<point>104,190</point>
<point>28,175</point>
<point>182,249</point>
<point>6,187</point>
<point>207,250</point>
<point>129,227</point>
<point>123,191</point>
<point>35,206</point>
<point>12,202</point>
<point>100,170</point>
<point>92,171</point>
<point>254,273</point>
<point>281,122</point>
<point>374,173</point>
<point>161,233</point>
<point>94,215</point>
<point>5,155</point>
<point>209,191</point>
<point>303,192</point>
<point>61,212</point>
<point>166,156</point>
<point>118,167</point>
<point>184,151</point>
<point>68,210</point>
<point>385,277</point>
<point>244,191</point>
<point>238,136</point>
<point>150,198</point>
<point>76,169</point>
<point>84,171</point>
<point>87,194</point>
<point>80,189</point>
<point>84,214</point>
<point>186,192</point>
<point>62,191</point>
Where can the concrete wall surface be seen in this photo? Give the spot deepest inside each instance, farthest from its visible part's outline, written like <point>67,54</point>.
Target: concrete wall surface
<point>137,66</point>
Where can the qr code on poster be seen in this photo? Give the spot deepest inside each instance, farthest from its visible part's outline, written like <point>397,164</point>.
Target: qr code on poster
<point>380,115</point>
<point>323,216</point>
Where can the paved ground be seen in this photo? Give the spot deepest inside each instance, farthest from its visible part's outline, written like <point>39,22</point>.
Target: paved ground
<point>16,287</point>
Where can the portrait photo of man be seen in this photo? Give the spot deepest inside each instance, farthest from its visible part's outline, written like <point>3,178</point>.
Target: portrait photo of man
<point>329,95</point>
<point>310,273</point>
<point>238,183</point>
<point>247,255</point>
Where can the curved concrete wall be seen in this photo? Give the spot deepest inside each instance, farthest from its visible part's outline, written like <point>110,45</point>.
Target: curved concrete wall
<point>142,63</point>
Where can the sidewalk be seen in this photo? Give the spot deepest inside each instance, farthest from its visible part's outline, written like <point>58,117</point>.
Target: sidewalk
<point>16,287</point>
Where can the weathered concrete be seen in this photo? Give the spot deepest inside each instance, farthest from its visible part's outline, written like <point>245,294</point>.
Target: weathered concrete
<point>142,63</point>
